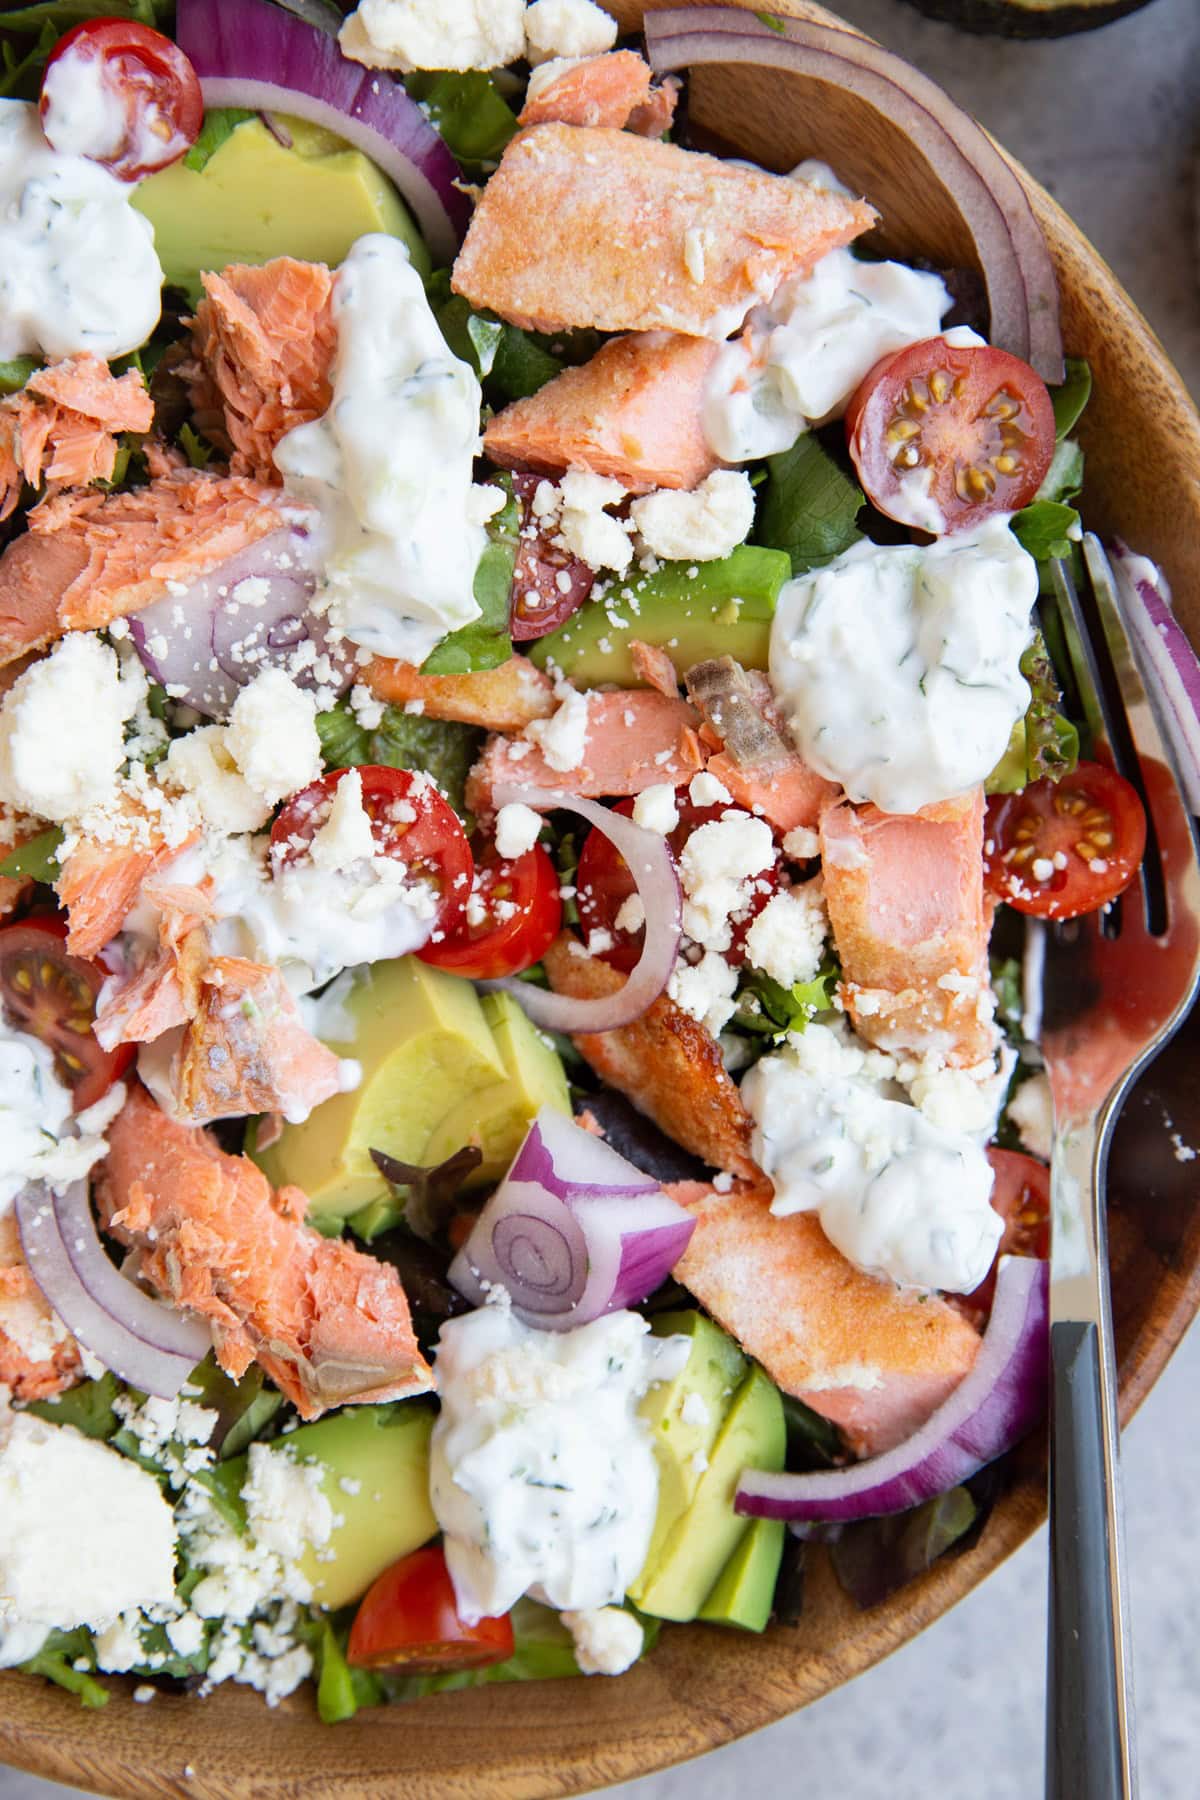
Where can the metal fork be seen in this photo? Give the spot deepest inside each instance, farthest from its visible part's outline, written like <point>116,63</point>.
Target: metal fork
<point>1103,994</point>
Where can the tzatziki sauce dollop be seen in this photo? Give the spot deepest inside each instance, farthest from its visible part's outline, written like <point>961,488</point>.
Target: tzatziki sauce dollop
<point>78,269</point>
<point>897,666</point>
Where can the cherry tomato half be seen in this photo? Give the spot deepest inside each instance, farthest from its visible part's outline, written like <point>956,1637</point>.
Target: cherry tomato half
<point>981,421</point>
<point>603,884</point>
<point>410,821</point>
<point>50,994</point>
<point>549,584</point>
<point>149,109</point>
<point>409,1620</point>
<point>522,917</point>
<point>1021,1195</point>
<point>1061,848</point>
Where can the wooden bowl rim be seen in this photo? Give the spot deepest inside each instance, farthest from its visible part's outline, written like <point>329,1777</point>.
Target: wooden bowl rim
<point>58,1750</point>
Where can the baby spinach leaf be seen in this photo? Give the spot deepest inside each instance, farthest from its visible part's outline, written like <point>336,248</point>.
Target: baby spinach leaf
<point>36,860</point>
<point>809,506</point>
<point>1071,396</point>
<point>220,123</point>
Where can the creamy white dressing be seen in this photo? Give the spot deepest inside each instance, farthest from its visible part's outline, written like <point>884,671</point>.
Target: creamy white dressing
<point>542,1475</point>
<point>78,269</point>
<point>389,466</point>
<point>898,667</point>
<point>41,1138</point>
<point>803,354</point>
<point>900,1197</point>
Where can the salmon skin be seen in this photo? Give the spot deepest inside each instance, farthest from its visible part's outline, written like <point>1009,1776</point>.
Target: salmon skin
<point>590,227</point>
<point>634,412</point>
<point>633,740</point>
<point>613,90</point>
<point>38,1357</point>
<point>328,1323</point>
<point>911,925</point>
<point>873,1359</point>
<point>90,558</point>
<point>263,346</point>
<point>60,431</point>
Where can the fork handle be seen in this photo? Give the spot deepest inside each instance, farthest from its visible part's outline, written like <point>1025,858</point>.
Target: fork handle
<point>1088,1738</point>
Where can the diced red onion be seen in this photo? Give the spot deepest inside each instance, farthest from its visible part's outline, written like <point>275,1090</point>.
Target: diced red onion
<point>248,614</point>
<point>1170,665</point>
<point>1013,255</point>
<point>572,1232</point>
<point>653,869</point>
<point>993,1407</point>
<point>147,1343</point>
<point>252,54</point>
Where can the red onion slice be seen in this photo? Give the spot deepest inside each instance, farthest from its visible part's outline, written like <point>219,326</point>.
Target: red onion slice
<point>1170,666</point>
<point>250,613</point>
<point>1012,250</point>
<point>993,1407</point>
<point>150,1345</point>
<point>252,54</point>
<point>569,1249</point>
<point>653,869</point>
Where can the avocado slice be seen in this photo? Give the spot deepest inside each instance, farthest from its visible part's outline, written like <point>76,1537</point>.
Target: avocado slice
<point>702,1539</point>
<point>498,1119</point>
<point>745,1589</point>
<point>690,610</point>
<point>256,199</point>
<point>684,1416</point>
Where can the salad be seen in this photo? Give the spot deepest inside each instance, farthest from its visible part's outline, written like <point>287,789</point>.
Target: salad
<point>532,707</point>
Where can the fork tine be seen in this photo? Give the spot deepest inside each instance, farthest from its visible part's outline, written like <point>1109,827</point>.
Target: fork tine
<point>1079,649</point>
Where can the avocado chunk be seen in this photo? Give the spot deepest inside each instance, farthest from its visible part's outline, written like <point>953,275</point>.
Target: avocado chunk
<point>745,1588</point>
<point>434,1077</point>
<point>684,1416</point>
<point>690,610</point>
<point>702,1539</point>
<point>256,199</point>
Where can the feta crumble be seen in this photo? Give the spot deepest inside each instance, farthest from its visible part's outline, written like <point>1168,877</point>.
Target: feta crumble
<point>273,736</point>
<point>435,34</point>
<point>717,867</point>
<point>575,28</point>
<point>517,828</point>
<point>62,729</point>
<point>608,1640</point>
<point>654,809</point>
<point>787,939</point>
<point>562,738</point>
<point>700,526</point>
<point>705,990</point>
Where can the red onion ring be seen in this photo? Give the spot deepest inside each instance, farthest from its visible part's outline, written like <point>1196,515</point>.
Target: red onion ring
<point>653,869</point>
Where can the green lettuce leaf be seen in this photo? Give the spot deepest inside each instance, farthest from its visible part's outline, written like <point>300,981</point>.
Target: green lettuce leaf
<point>809,506</point>
<point>442,750</point>
<point>14,374</point>
<point>876,1556</point>
<point>88,1407</point>
<point>220,123</point>
<point>56,1660</point>
<point>468,112</point>
<point>1072,396</point>
<point>36,860</point>
<point>767,1009</point>
<point>485,643</point>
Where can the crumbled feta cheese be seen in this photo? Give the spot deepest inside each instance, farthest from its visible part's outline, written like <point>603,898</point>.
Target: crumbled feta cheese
<point>959,1100</point>
<point>705,790</point>
<point>62,729</point>
<point>705,990</point>
<point>369,711</point>
<point>435,34</point>
<point>631,915</point>
<point>1031,1110</point>
<point>608,1640</point>
<point>273,736</point>
<point>802,844</point>
<point>717,867</point>
<point>585,528</point>
<point>286,1505</point>
<point>700,526</point>
<point>574,28</point>
<point>517,828</point>
<point>346,837</point>
<point>202,765</point>
<point>562,738</point>
<point>655,808</point>
<point>87,1534</point>
<point>787,939</point>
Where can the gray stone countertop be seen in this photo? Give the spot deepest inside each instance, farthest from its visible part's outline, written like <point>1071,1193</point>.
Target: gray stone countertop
<point>1110,123</point>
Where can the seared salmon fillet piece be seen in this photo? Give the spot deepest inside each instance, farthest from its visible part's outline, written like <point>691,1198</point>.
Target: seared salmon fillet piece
<point>90,558</point>
<point>666,1063</point>
<point>38,1356</point>
<point>787,797</point>
<point>634,412</point>
<point>586,226</point>
<point>60,430</point>
<point>633,740</point>
<point>874,1359</point>
<point>613,89</point>
<point>329,1324</point>
<point>911,925</point>
<point>263,342</point>
<point>506,698</point>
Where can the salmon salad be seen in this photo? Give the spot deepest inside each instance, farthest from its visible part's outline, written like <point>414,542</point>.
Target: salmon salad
<point>531,712</point>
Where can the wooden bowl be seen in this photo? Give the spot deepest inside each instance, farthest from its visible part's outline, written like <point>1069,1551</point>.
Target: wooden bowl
<point>703,1686</point>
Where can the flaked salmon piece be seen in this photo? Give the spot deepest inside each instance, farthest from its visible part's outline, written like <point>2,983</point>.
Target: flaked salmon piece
<point>871,1357</point>
<point>61,429</point>
<point>634,412</point>
<point>584,226</point>
<point>101,878</point>
<point>652,665</point>
<point>789,797</point>
<point>596,90</point>
<point>503,699</point>
<point>329,1324</point>
<point>667,1063</point>
<point>245,1049</point>
<point>263,342</point>
<point>38,1355</point>
<point>90,558</point>
<point>656,115</point>
<point>911,925</point>
<point>633,739</point>
<point>142,1003</point>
